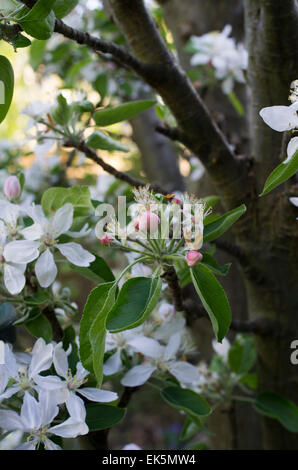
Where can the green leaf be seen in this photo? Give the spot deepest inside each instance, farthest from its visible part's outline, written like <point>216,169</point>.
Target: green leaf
<point>6,86</point>
<point>278,407</point>
<point>212,264</point>
<point>99,140</point>
<point>39,298</point>
<point>94,305</point>
<point>64,7</point>
<point>38,21</point>
<point>216,228</point>
<point>186,400</point>
<point>98,271</point>
<point>280,174</point>
<point>213,298</point>
<point>108,116</point>
<point>136,300</point>
<point>211,201</point>
<point>40,328</point>
<point>251,380</point>
<point>103,416</point>
<point>69,339</point>
<point>21,41</point>
<point>242,354</point>
<point>36,53</point>
<point>62,112</point>
<point>54,198</point>
<point>101,84</point>
<point>97,334</point>
<point>190,429</point>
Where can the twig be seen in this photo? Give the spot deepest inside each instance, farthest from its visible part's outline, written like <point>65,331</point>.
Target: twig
<point>171,277</point>
<point>56,327</point>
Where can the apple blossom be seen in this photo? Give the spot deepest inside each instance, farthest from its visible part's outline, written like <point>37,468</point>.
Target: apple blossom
<point>193,258</point>
<point>149,222</point>
<point>106,240</point>
<point>12,187</point>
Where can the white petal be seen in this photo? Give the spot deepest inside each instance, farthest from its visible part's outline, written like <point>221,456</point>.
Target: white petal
<point>10,420</point>
<point>184,372</point>
<point>94,394</point>
<point>113,364</point>
<point>70,429</point>
<point>147,346</point>
<point>30,413</point>
<point>173,346</point>
<point>76,254</point>
<point>46,269</point>
<point>49,445</point>
<point>14,279</point>
<point>138,375</point>
<point>292,149</point>
<point>294,200</point>
<point>48,407</point>
<point>21,251</point>
<point>279,118</point>
<point>60,361</point>
<point>42,357</point>
<point>33,232</point>
<point>76,407</point>
<point>62,220</point>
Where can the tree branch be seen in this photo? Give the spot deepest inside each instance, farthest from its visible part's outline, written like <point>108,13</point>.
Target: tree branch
<point>56,327</point>
<point>90,153</point>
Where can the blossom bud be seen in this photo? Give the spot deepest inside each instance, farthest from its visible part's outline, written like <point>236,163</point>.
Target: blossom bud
<point>177,201</point>
<point>106,240</point>
<point>12,187</point>
<point>149,222</point>
<point>193,258</point>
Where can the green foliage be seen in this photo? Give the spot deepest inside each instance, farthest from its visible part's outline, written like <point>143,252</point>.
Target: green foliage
<point>99,140</point>
<point>6,86</point>
<point>54,198</point>
<point>40,328</point>
<point>36,52</point>
<point>62,112</point>
<point>218,227</point>
<point>98,271</point>
<point>280,174</point>
<point>278,407</point>
<point>123,112</point>
<point>186,400</point>
<point>38,21</point>
<point>136,300</point>
<point>212,264</point>
<point>62,8</point>
<point>103,416</point>
<point>213,298</point>
<point>242,354</point>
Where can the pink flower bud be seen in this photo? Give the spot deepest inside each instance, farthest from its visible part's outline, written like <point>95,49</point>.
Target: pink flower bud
<point>149,222</point>
<point>176,201</point>
<point>106,240</point>
<point>12,187</point>
<point>193,258</point>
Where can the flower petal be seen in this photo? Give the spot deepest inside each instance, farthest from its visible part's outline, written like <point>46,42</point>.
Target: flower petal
<point>147,346</point>
<point>279,118</point>
<point>292,149</point>
<point>138,375</point>
<point>62,220</point>
<point>46,269</point>
<point>184,372</point>
<point>21,251</point>
<point>94,394</point>
<point>76,254</point>
<point>14,279</point>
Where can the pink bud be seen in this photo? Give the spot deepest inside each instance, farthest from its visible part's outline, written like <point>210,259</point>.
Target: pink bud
<point>149,222</point>
<point>193,258</point>
<point>106,240</point>
<point>176,201</point>
<point>12,187</point>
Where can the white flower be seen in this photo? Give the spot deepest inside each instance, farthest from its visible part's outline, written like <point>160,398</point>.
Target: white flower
<point>222,349</point>
<point>24,378</point>
<point>119,341</point>
<point>131,446</point>
<point>72,384</point>
<point>160,358</point>
<point>47,233</point>
<point>36,417</point>
<point>9,214</point>
<point>13,273</point>
<point>281,118</point>
<point>292,149</point>
<point>294,200</point>
<point>35,110</point>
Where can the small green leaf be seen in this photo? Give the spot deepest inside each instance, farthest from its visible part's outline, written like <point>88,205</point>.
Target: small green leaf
<point>54,198</point>
<point>94,305</point>
<point>135,302</point>
<point>242,354</point>
<point>251,380</point>
<point>36,53</point>
<point>103,416</point>
<point>101,84</point>
<point>62,112</point>
<point>186,400</point>
<point>6,86</point>
<point>280,174</point>
<point>99,140</point>
<point>219,226</point>
<point>98,271</point>
<point>21,41</point>
<point>278,407</point>
<point>40,328</point>
<point>109,116</point>
<point>38,21</point>
<point>213,298</point>
<point>64,7</point>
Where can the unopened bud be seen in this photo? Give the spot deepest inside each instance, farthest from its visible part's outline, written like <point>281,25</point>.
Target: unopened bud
<point>12,187</point>
<point>149,222</point>
<point>106,240</point>
<point>193,258</point>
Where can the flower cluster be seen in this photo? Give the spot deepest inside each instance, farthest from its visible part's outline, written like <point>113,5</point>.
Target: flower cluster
<point>42,398</point>
<point>221,52</point>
